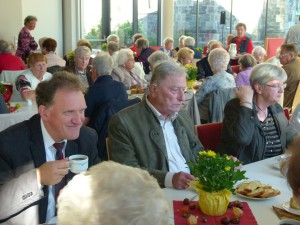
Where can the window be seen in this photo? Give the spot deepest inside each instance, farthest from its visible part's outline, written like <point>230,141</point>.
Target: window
<point>91,22</point>
<point>121,20</point>
<point>147,19</point>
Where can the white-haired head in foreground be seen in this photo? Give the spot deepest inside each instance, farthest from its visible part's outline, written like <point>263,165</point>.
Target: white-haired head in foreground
<point>111,193</point>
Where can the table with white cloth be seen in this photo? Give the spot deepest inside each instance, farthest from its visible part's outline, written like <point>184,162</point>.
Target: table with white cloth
<point>189,104</point>
<point>263,212</point>
<point>21,114</point>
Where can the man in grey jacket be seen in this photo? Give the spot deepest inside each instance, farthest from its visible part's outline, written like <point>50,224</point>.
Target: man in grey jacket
<point>156,134</point>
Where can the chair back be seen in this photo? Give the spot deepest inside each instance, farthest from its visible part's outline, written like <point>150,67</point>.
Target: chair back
<point>235,69</point>
<point>209,134</point>
<point>217,101</point>
<point>10,77</point>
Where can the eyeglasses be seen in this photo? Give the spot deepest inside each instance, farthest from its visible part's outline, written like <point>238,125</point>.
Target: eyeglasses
<point>278,85</point>
<point>283,55</point>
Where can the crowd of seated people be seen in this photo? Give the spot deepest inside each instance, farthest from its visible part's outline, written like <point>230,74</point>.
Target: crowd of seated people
<point>157,127</point>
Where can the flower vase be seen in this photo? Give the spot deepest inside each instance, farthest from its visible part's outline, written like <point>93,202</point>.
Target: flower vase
<point>9,90</point>
<point>190,83</point>
<point>214,203</point>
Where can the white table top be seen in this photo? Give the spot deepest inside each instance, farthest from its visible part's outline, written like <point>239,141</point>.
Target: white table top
<point>263,171</point>
<point>21,114</point>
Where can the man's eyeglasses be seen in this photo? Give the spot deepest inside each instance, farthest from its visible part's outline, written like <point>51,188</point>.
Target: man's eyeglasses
<point>283,55</point>
<point>278,85</point>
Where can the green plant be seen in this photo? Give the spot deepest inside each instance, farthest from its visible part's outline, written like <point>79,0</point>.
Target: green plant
<point>3,89</point>
<point>191,72</point>
<point>215,172</point>
<point>104,47</point>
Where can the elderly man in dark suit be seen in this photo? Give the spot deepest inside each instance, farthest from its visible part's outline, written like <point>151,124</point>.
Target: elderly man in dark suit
<point>156,134</point>
<point>35,143</point>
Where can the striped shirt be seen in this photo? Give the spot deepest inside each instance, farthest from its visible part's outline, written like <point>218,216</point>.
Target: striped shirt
<point>273,143</point>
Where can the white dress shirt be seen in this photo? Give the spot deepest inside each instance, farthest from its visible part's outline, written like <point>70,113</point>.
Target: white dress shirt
<point>176,161</point>
<point>50,156</point>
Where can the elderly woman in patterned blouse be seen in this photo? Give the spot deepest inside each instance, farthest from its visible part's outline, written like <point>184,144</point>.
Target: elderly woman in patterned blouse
<point>26,43</point>
<point>27,82</point>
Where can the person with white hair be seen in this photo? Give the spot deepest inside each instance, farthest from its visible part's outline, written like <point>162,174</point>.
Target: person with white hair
<point>111,193</point>
<point>190,43</point>
<point>157,134</point>
<point>156,57</point>
<point>113,37</point>
<point>255,126</point>
<point>125,71</point>
<point>180,45</point>
<point>100,93</point>
<point>81,66</point>
<point>168,46</point>
<point>8,61</point>
<point>218,59</point>
<point>259,53</point>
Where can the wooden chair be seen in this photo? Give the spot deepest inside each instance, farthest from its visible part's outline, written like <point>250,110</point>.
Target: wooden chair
<point>209,135</point>
<point>107,148</point>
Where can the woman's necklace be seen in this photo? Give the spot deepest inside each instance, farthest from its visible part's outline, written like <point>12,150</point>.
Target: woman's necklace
<point>266,114</point>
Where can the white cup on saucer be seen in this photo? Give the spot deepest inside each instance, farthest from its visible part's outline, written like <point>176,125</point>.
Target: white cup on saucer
<point>289,222</point>
<point>78,163</point>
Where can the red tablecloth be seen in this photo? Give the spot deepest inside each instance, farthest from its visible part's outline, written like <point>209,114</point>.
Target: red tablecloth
<point>246,219</point>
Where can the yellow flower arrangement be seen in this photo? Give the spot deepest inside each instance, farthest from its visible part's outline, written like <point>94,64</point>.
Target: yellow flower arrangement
<point>215,172</point>
<point>191,72</point>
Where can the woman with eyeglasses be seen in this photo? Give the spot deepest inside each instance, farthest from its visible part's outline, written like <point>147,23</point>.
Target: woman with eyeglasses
<point>254,125</point>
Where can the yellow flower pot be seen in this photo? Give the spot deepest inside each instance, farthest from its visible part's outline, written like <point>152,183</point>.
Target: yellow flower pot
<point>215,203</point>
<point>190,83</point>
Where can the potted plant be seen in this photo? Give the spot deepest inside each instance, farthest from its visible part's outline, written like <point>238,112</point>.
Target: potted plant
<point>216,176</point>
<point>191,75</point>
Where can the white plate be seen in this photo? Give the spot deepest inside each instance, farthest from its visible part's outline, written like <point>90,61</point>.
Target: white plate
<point>256,199</point>
<point>286,206</point>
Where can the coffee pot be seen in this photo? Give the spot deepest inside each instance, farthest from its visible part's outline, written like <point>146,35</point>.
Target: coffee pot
<point>232,50</point>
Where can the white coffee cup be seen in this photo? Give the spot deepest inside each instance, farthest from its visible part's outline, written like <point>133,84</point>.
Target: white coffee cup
<point>289,221</point>
<point>78,163</point>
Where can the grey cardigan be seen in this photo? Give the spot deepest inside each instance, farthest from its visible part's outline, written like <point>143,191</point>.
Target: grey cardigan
<point>136,139</point>
<point>242,134</point>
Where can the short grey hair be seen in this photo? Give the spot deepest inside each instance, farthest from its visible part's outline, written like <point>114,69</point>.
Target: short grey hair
<point>265,72</point>
<point>247,60</point>
<point>4,46</point>
<point>82,50</point>
<point>181,39</point>
<point>123,56</point>
<point>189,41</point>
<point>215,44</point>
<point>103,63</point>
<point>111,193</point>
<point>112,46</point>
<point>29,18</point>
<point>164,69</point>
<point>259,51</point>
<point>156,57</point>
<point>136,36</point>
<point>112,37</point>
<point>218,59</point>
<point>168,40</point>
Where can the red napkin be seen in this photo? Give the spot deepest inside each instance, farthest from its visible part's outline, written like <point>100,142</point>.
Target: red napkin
<point>247,218</point>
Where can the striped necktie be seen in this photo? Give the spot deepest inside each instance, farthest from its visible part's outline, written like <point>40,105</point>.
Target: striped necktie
<point>58,156</point>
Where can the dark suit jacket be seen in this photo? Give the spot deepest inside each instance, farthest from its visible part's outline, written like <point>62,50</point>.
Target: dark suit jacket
<point>22,144</point>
